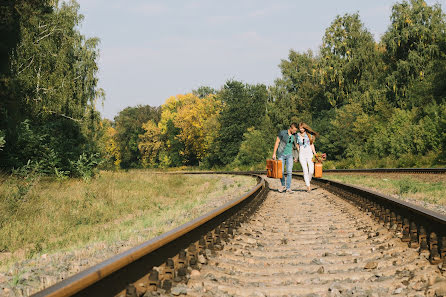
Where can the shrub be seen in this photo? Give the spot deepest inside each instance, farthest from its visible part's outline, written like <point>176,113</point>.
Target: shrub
<point>2,140</point>
<point>85,166</point>
<point>254,148</point>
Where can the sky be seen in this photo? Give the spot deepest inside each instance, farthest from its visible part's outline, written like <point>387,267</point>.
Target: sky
<point>151,50</point>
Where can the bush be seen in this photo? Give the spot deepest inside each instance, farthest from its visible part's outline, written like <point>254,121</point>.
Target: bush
<point>406,186</point>
<point>2,140</point>
<point>254,149</point>
<point>85,166</point>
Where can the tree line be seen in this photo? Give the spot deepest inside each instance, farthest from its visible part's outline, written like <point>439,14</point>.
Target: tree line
<point>48,85</point>
<point>374,103</point>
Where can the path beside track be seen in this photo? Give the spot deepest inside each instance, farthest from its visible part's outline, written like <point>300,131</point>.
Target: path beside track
<point>315,244</point>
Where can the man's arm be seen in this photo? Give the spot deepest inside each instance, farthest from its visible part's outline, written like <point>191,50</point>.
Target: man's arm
<point>276,145</point>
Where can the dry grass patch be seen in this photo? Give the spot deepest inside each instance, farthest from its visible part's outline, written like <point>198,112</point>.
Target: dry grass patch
<point>45,215</point>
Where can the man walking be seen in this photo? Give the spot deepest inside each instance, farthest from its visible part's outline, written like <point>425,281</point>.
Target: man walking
<point>287,150</point>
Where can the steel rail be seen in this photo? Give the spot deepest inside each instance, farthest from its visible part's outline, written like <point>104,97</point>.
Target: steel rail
<point>111,277</point>
<point>389,170</point>
<point>413,209</point>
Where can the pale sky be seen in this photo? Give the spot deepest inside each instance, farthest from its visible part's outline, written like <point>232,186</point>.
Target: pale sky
<point>151,50</point>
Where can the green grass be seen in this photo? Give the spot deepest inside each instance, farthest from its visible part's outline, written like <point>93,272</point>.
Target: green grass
<point>42,215</point>
<point>427,188</point>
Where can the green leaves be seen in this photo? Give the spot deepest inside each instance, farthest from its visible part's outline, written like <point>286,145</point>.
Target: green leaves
<point>49,114</point>
<point>413,42</point>
<point>244,107</point>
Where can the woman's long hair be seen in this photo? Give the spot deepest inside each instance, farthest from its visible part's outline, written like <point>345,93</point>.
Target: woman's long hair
<point>310,132</point>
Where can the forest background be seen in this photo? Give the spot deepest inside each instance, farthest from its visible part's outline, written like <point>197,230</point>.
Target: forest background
<point>374,103</point>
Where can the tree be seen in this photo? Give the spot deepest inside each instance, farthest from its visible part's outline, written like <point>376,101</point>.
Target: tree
<point>349,60</point>
<point>189,125</point>
<point>413,41</point>
<point>204,91</point>
<point>150,144</point>
<point>244,106</point>
<point>128,125</point>
<point>254,149</point>
<point>297,95</point>
<point>198,123</point>
<point>51,89</point>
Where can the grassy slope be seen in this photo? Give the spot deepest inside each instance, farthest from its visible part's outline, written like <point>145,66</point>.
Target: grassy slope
<point>45,215</point>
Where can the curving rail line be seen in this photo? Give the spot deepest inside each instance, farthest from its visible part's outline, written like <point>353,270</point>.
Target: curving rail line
<point>163,261</point>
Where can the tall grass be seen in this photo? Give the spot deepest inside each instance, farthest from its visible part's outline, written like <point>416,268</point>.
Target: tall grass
<point>43,215</point>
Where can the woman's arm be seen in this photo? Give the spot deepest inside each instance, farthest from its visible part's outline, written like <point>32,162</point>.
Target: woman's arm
<point>313,149</point>
<point>276,145</point>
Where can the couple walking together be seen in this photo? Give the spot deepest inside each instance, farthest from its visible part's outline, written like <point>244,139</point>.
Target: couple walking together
<point>295,143</point>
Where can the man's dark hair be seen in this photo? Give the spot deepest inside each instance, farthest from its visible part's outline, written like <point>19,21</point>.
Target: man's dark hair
<point>293,125</point>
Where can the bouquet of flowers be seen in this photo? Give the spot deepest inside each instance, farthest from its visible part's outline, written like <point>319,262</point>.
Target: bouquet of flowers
<point>319,157</point>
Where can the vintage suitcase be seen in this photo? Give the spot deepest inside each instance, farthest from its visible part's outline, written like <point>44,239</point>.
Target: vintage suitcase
<point>274,168</point>
<point>318,170</point>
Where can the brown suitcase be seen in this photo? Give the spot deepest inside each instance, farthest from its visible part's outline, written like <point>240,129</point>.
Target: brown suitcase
<point>318,170</point>
<point>274,168</point>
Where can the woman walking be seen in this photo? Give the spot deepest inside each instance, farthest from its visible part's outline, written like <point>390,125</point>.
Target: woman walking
<point>305,139</point>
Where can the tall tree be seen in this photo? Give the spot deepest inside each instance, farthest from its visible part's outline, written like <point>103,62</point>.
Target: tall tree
<point>128,125</point>
<point>414,41</point>
<point>244,106</point>
<point>349,59</point>
<point>52,87</point>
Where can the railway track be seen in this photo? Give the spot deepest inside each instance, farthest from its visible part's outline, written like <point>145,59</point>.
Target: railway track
<point>390,170</point>
<point>271,244</point>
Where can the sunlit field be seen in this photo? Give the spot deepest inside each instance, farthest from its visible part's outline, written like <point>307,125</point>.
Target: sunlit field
<point>423,188</point>
<point>43,215</point>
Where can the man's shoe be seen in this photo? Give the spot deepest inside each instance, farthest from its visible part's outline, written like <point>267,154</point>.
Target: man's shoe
<point>289,191</point>
<point>282,189</point>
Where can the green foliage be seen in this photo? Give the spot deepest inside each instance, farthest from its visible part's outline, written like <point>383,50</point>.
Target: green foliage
<point>48,114</point>
<point>204,91</point>
<point>374,103</point>
<point>413,43</point>
<point>348,60</point>
<point>173,152</point>
<point>244,107</point>
<point>297,95</point>
<point>255,148</point>
<point>128,124</point>
<point>406,186</point>
<point>2,140</point>
<point>85,166</point>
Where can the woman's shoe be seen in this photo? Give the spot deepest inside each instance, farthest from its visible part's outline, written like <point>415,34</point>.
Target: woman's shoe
<point>309,189</point>
<point>281,189</point>
<point>289,191</point>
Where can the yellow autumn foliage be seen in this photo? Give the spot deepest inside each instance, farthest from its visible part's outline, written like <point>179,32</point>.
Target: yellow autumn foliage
<point>197,119</point>
<point>150,143</point>
<point>111,146</point>
<point>198,123</point>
